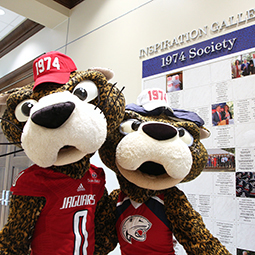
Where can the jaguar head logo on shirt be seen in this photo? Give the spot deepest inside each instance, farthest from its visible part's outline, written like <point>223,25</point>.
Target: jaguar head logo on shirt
<point>135,227</point>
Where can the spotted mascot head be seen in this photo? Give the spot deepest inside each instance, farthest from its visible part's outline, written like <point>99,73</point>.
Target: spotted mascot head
<point>155,147</point>
<point>68,112</point>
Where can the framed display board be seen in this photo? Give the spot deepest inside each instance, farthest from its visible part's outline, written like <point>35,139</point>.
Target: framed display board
<point>216,79</point>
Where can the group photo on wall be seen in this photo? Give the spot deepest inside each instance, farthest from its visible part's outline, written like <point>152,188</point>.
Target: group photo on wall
<point>243,65</point>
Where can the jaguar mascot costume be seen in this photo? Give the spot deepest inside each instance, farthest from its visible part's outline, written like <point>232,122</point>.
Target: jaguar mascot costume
<point>155,149</point>
<point>60,204</point>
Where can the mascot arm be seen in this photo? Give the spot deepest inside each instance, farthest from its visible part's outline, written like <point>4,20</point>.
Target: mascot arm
<point>114,196</point>
<point>15,237</point>
<point>188,226</point>
<point>105,233</point>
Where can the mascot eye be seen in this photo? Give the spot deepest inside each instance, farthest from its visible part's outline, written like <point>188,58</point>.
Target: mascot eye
<point>23,109</point>
<point>185,136</point>
<point>129,126</point>
<point>86,90</point>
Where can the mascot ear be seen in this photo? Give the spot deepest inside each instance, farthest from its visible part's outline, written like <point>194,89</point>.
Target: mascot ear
<point>108,73</point>
<point>3,99</point>
<point>204,133</point>
<point>5,95</point>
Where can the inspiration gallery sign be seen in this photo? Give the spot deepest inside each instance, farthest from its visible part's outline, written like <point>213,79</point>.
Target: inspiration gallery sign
<point>217,47</point>
<point>232,21</point>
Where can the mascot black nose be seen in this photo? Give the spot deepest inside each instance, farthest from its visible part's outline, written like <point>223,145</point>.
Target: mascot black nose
<point>159,131</point>
<point>53,116</point>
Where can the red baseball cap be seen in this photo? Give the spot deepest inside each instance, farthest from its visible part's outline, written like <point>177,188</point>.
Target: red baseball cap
<point>53,67</point>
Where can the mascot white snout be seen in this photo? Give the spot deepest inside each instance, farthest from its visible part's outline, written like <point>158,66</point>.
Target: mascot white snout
<point>82,133</point>
<point>154,142</point>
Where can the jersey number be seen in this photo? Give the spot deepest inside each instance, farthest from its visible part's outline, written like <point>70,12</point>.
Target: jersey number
<point>80,232</point>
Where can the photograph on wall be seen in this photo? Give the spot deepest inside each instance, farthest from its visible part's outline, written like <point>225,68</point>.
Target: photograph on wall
<point>245,252</point>
<point>174,82</point>
<point>243,65</point>
<point>221,160</point>
<point>245,184</point>
<point>223,114</point>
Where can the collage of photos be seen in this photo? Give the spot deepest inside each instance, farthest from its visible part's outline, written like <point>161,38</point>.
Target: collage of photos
<point>223,114</point>
<point>228,162</point>
<point>220,160</point>
<point>245,184</point>
<point>174,82</point>
<point>243,65</point>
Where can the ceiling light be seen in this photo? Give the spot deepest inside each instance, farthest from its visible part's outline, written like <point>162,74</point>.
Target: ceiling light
<point>2,12</point>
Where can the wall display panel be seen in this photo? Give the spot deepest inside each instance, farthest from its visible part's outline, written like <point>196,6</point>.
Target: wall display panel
<point>216,79</point>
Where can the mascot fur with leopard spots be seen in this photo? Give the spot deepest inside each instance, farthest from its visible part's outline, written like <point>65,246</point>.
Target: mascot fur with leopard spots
<point>60,204</point>
<point>154,149</point>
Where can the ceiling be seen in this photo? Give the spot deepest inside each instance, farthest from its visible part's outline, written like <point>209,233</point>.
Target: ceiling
<point>68,3</point>
<point>20,22</point>
<point>9,21</point>
<point>17,12</point>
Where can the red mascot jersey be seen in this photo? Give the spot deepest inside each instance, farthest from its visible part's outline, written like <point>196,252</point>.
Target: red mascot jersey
<point>143,228</point>
<point>66,223</point>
